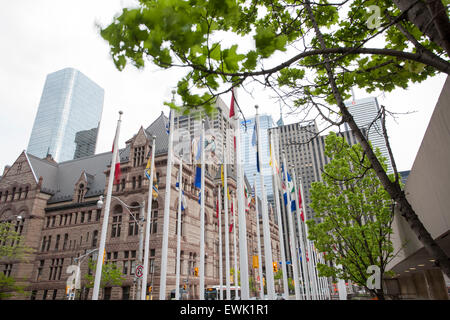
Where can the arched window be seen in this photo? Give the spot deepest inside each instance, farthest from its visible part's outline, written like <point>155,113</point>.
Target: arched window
<point>80,193</point>
<point>133,227</point>
<point>6,195</point>
<point>116,221</point>
<point>20,194</point>
<point>13,194</point>
<point>26,193</point>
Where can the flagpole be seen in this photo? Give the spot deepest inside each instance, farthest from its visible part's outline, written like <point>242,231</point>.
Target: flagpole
<point>243,255</point>
<point>202,215</point>
<point>303,264</point>
<point>165,239</point>
<point>291,234</point>
<point>180,194</point>
<point>311,265</point>
<point>265,221</point>
<point>101,249</point>
<point>227,237</point>
<point>220,243</point>
<point>236,267</point>
<point>258,237</point>
<point>280,226</point>
<point>147,225</point>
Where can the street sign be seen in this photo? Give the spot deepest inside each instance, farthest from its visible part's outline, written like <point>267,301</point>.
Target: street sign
<point>139,271</point>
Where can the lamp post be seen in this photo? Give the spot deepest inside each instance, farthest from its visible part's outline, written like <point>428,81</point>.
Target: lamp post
<point>140,225</point>
<point>79,260</point>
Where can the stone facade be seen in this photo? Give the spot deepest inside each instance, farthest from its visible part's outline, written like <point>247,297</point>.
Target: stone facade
<point>61,230</point>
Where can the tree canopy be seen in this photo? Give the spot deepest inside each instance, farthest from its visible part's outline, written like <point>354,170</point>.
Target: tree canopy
<point>355,215</point>
<point>311,53</point>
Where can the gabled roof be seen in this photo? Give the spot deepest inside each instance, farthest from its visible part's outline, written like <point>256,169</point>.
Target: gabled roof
<point>59,179</point>
<point>158,129</point>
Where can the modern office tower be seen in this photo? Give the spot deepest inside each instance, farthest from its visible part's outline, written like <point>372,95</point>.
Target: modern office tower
<point>248,152</point>
<point>365,111</point>
<point>220,126</point>
<point>68,117</point>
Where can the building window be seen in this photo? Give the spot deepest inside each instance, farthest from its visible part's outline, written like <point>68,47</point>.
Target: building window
<point>97,216</point>
<point>40,268</point>
<point>133,226</point>
<point>44,295</point>
<point>133,184</point>
<point>44,241</point>
<point>33,295</point>
<point>123,184</point>
<point>139,181</point>
<point>7,270</point>
<point>66,239</point>
<point>55,292</point>
<point>126,293</point>
<point>107,293</point>
<point>94,238</point>
<point>80,195</point>
<point>26,193</point>
<point>138,158</point>
<point>49,243</point>
<point>58,237</point>
<point>13,194</point>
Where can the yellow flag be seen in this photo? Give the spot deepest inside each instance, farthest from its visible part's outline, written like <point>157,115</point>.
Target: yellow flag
<point>221,174</point>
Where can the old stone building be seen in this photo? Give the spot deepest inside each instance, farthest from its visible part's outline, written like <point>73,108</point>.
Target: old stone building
<point>60,220</point>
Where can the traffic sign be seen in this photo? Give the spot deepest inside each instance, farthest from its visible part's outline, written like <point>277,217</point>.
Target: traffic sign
<point>139,271</point>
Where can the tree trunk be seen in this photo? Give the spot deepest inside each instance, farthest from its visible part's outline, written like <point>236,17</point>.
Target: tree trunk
<point>392,188</point>
<point>430,17</point>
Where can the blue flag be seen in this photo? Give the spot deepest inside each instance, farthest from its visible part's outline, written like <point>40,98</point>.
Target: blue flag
<point>198,177</point>
<point>199,197</point>
<point>168,123</point>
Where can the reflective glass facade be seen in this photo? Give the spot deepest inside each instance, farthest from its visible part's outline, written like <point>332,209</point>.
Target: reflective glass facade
<point>68,118</point>
<point>248,153</point>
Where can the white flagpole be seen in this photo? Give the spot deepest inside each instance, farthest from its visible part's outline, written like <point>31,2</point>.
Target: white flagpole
<point>300,235</point>
<point>258,237</point>
<point>265,220</point>
<point>311,265</point>
<point>291,234</point>
<point>220,244</point>
<point>165,239</point>
<point>280,226</point>
<point>227,236</point>
<point>202,216</point>
<point>236,267</point>
<point>180,194</point>
<point>101,249</point>
<point>243,256</point>
<point>148,224</point>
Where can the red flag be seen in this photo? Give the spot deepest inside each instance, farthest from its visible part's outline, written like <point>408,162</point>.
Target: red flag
<point>300,205</point>
<point>231,227</point>
<point>232,104</point>
<point>117,167</point>
<point>217,208</point>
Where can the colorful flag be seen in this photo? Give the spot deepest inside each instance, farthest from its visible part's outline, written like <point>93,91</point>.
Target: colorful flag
<point>117,172</point>
<point>255,143</point>
<point>168,123</point>
<point>183,201</point>
<point>232,113</point>
<point>217,208</point>
<point>198,177</point>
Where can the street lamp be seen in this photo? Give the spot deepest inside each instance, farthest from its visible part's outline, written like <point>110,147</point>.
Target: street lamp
<point>141,233</point>
<point>79,260</point>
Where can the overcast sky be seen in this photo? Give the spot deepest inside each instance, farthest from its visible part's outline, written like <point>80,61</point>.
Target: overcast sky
<point>39,37</point>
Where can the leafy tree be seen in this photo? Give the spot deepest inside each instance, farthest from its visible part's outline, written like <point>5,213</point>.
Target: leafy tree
<point>12,248</point>
<point>355,214</point>
<point>326,48</point>
<point>111,275</point>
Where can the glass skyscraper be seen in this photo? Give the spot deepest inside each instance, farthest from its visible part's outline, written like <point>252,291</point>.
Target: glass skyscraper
<point>365,111</point>
<point>248,153</point>
<point>68,117</point>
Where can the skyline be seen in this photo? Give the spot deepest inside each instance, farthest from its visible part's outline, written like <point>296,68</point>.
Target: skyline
<point>48,36</point>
